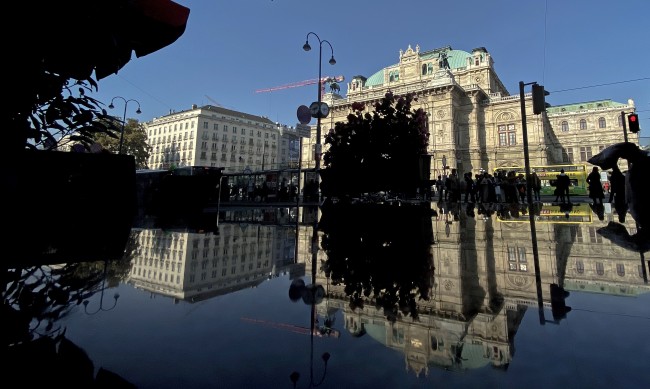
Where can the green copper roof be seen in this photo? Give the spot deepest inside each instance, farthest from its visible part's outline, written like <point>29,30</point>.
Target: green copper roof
<point>583,106</point>
<point>376,79</point>
<point>457,59</point>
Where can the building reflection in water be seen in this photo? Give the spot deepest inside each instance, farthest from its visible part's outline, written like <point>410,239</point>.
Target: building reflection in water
<point>249,246</point>
<point>483,280</point>
<point>484,283</point>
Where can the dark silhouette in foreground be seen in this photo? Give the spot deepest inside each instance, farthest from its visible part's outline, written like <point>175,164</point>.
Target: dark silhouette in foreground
<point>637,189</point>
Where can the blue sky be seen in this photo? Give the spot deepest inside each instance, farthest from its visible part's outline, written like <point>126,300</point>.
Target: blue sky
<point>232,48</point>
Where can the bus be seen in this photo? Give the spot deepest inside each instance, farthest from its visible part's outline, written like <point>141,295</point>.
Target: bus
<point>197,171</point>
<point>548,175</point>
<point>554,214</point>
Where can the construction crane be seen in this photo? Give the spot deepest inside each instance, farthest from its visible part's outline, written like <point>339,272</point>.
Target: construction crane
<point>324,80</point>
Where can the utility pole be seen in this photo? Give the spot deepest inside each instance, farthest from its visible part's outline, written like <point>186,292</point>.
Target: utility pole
<point>624,126</point>
<point>529,190</point>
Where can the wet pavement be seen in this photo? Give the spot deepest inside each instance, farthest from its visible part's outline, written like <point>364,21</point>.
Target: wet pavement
<point>345,297</point>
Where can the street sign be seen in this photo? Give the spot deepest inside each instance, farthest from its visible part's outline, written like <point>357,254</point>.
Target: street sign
<point>304,130</point>
<point>304,114</point>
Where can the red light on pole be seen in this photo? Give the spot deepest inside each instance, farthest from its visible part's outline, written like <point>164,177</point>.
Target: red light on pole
<point>633,122</point>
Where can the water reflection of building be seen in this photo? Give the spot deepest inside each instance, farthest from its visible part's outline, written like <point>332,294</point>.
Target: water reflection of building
<point>194,266</point>
<point>485,283</point>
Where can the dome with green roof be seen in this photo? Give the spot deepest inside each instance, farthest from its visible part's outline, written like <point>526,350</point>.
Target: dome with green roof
<point>457,59</point>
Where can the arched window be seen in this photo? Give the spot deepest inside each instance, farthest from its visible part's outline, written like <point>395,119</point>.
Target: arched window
<point>602,123</point>
<point>583,124</point>
<point>565,126</point>
<point>620,269</point>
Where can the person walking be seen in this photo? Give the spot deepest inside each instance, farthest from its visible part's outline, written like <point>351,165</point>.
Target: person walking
<point>562,184</point>
<point>536,185</point>
<point>470,188</point>
<point>521,188</point>
<point>596,192</point>
<point>453,186</point>
<point>617,185</point>
<point>440,187</point>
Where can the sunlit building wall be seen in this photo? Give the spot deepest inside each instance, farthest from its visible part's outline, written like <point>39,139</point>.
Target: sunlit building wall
<point>474,121</point>
<point>219,137</point>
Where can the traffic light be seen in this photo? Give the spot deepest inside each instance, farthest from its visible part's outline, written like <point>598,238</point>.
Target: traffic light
<point>539,99</point>
<point>558,305</point>
<point>633,122</point>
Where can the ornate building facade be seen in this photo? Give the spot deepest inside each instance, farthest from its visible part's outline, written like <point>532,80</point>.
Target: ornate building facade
<point>474,122</point>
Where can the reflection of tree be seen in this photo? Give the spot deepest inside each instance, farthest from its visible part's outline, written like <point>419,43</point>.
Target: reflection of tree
<point>35,299</point>
<point>380,252</point>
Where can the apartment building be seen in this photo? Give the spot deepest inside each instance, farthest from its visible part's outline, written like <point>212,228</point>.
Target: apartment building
<point>219,137</point>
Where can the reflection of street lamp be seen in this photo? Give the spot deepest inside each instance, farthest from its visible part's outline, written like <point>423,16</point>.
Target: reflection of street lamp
<point>332,61</point>
<point>126,104</point>
<point>101,298</point>
<point>312,295</point>
<point>219,198</point>
<point>295,376</point>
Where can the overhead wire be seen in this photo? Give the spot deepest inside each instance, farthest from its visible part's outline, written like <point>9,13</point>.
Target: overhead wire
<point>598,85</point>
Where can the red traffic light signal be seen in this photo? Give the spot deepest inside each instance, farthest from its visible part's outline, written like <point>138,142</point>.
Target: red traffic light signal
<point>633,122</point>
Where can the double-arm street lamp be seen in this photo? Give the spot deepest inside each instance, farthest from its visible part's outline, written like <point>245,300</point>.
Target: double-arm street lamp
<point>321,111</point>
<point>101,298</point>
<point>126,104</point>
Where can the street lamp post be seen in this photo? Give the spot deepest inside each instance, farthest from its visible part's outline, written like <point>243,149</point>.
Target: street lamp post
<point>219,198</point>
<point>332,61</point>
<point>126,104</point>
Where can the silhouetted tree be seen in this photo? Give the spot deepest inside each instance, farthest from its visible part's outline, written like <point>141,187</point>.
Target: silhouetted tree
<point>376,151</point>
<point>135,142</point>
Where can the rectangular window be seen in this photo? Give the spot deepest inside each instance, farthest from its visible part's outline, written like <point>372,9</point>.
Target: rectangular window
<point>205,125</point>
<point>594,236</point>
<point>507,135</point>
<point>517,259</point>
<point>585,153</point>
<point>600,269</point>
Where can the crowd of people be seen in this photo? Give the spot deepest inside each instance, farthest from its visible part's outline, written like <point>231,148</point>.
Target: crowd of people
<point>510,187</point>
<point>483,187</point>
